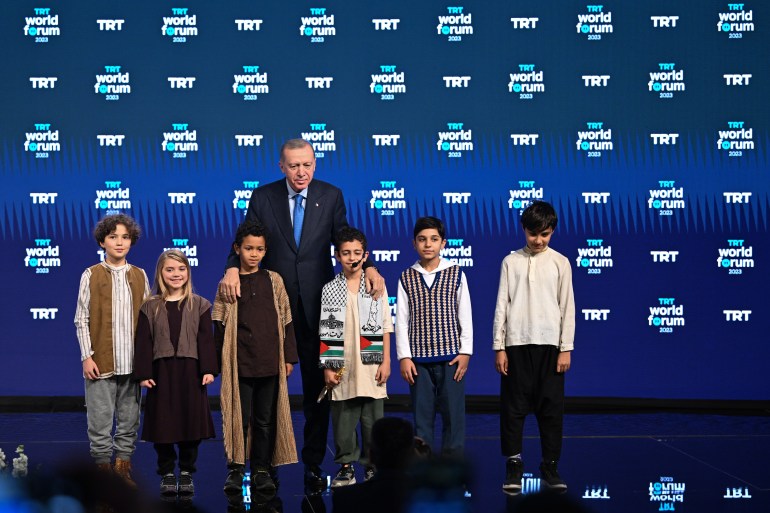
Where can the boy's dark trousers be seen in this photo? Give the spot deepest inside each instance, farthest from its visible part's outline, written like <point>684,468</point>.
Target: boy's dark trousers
<point>258,409</point>
<point>532,386</point>
<point>188,454</point>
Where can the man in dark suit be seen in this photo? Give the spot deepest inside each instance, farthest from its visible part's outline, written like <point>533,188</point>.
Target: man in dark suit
<point>302,216</point>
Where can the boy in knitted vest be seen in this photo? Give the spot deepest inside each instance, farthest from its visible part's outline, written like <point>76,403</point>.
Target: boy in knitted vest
<point>434,337</point>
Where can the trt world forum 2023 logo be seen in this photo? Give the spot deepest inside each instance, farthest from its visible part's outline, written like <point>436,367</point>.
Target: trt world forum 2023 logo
<point>180,25</point>
<point>667,80</point>
<point>666,198</point>
<point>42,256</point>
<point>735,139</point>
<point>42,25</point>
<point>454,141</point>
<point>388,198</point>
<point>112,83</point>
<point>594,22</point>
<point>318,26</point>
<point>736,256</point>
<point>113,199</point>
<point>736,21</point>
<point>527,82</point>
<point>321,139</point>
<point>251,83</point>
<point>455,24</point>
<point>666,315</point>
<point>43,141</point>
<point>595,256</point>
<point>523,197</point>
<point>388,83</point>
<point>180,140</point>
<point>595,139</point>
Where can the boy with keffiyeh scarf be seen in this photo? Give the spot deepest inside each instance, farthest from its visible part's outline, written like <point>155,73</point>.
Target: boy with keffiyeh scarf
<point>355,336</point>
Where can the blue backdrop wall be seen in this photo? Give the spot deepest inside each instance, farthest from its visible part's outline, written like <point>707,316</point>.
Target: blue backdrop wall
<point>644,123</point>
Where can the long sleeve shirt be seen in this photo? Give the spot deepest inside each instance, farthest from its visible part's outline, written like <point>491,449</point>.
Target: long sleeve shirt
<point>535,301</point>
<point>464,312</point>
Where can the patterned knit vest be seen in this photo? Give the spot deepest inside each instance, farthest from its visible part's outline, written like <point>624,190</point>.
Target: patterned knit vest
<point>434,332</point>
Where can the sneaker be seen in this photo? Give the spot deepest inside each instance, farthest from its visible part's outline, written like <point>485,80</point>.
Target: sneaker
<point>346,475</point>
<point>369,473</point>
<point>551,478</point>
<point>186,486</point>
<point>168,484</point>
<point>262,486</point>
<point>234,481</point>
<point>514,472</point>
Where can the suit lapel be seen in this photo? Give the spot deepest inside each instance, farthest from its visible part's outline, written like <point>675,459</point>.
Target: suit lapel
<point>279,204</point>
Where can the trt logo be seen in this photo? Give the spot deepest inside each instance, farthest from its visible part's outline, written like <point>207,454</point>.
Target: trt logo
<point>736,315</point>
<point>386,24</point>
<point>595,197</point>
<point>249,140</point>
<point>182,198</point>
<point>451,82</point>
<point>524,139</point>
<point>385,256</point>
<point>736,197</point>
<point>456,197</point>
<point>386,140</point>
<point>664,139</point>
<point>107,25</point>
<point>454,242</point>
<point>737,80</point>
<point>180,242</point>
<point>590,314</point>
<point>664,256</point>
<point>43,313</point>
<point>110,140</point>
<point>181,82</point>
<point>43,198</point>
<point>596,80</point>
<point>664,21</point>
<point>43,82</point>
<point>319,82</point>
<point>248,25</point>
<point>524,23</point>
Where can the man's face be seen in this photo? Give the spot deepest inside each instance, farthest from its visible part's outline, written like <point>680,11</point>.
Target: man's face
<point>298,165</point>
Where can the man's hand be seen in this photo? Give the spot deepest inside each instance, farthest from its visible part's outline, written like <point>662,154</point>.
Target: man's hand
<point>501,362</point>
<point>230,285</point>
<point>408,370</point>
<point>375,283</point>
<point>461,360</point>
<point>563,362</point>
<point>90,370</point>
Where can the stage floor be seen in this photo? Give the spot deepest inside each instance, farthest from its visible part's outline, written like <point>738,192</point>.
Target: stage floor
<point>618,463</point>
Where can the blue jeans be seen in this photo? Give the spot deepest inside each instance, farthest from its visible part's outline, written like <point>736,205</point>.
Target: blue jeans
<point>435,390</point>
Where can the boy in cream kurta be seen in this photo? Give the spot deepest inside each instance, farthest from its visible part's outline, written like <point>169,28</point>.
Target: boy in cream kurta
<point>355,353</point>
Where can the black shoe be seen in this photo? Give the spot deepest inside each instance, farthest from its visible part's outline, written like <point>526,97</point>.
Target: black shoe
<point>369,473</point>
<point>551,478</point>
<point>234,481</point>
<point>346,475</point>
<point>262,486</point>
<point>514,472</point>
<point>186,486</point>
<point>315,479</point>
<point>168,485</point>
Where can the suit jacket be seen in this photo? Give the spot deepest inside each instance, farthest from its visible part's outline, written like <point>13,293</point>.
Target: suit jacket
<point>307,270</point>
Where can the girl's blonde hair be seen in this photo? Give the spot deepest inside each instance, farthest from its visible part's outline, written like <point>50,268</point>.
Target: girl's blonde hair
<point>160,289</point>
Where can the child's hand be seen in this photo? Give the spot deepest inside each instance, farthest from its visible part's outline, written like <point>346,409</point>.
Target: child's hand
<point>289,368</point>
<point>147,383</point>
<point>408,370</point>
<point>462,366</point>
<point>383,373</point>
<point>90,370</point>
<point>331,378</point>
<point>501,362</point>
<point>563,362</point>
<point>207,378</point>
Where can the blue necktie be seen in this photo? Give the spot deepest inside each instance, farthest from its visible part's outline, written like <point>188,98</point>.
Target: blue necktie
<point>299,217</point>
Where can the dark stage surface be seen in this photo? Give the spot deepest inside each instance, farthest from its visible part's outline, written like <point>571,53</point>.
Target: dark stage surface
<point>618,463</point>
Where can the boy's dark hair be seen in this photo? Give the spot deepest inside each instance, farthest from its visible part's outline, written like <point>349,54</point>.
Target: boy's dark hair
<point>349,234</point>
<point>426,223</point>
<point>109,223</point>
<point>250,227</point>
<point>539,216</point>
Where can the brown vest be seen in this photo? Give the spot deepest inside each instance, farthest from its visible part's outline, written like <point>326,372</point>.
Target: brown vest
<point>187,346</point>
<point>100,311</point>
